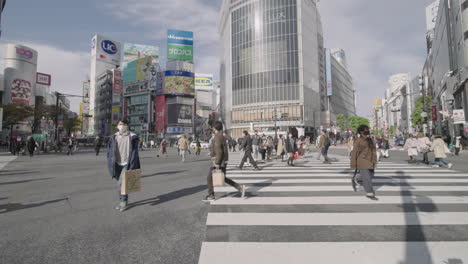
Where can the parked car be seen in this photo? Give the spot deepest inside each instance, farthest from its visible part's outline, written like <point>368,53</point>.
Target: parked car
<point>204,145</point>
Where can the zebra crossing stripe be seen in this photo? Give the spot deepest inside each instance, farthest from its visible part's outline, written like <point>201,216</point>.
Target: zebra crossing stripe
<point>324,181</point>
<point>337,219</point>
<point>341,200</point>
<point>330,252</point>
<point>342,188</point>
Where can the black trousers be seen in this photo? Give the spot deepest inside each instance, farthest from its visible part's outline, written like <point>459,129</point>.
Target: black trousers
<point>226,179</point>
<point>248,155</point>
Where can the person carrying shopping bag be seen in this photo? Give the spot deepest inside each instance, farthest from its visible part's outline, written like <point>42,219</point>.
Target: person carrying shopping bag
<point>364,159</point>
<point>424,146</point>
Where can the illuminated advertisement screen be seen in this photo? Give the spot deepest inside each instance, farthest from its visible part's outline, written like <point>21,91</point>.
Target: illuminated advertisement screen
<point>179,82</point>
<point>179,114</point>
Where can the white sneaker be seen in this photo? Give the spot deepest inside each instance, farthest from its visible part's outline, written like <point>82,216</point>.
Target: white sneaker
<point>435,166</point>
<point>450,165</point>
<point>243,188</point>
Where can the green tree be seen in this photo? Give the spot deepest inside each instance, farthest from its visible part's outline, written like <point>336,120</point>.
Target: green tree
<point>356,121</point>
<point>15,113</point>
<point>72,125</point>
<point>342,122</point>
<point>423,104</point>
<point>392,130</point>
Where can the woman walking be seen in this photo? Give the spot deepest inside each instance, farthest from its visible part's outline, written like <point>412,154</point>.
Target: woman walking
<point>440,148</point>
<point>424,146</point>
<point>412,146</point>
<point>280,147</point>
<point>163,147</point>
<point>364,159</point>
<point>385,146</point>
<point>291,148</point>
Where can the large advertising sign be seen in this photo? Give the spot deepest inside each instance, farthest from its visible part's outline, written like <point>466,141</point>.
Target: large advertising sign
<point>20,74</point>
<point>179,45</point>
<point>106,50</point>
<point>86,87</point>
<point>203,81</point>
<point>160,113</point>
<point>136,51</point>
<point>434,113</point>
<point>21,91</point>
<point>458,116</point>
<point>328,72</point>
<point>179,114</point>
<point>137,70</point>
<point>117,83</point>
<point>42,78</point>
<point>179,82</point>
<point>431,15</point>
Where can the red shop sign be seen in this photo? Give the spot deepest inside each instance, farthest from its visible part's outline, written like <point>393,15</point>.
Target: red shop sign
<point>434,113</point>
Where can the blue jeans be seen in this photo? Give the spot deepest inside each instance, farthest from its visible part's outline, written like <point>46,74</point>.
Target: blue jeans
<point>119,170</point>
<point>437,161</point>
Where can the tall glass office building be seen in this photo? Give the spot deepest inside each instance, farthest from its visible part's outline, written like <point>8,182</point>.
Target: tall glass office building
<point>272,66</point>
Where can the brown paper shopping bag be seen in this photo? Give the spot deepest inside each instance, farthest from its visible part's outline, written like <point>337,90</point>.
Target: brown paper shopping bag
<point>131,181</point>
<point>218,178</point>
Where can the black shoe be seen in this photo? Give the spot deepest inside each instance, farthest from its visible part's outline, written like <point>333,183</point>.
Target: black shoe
<point>372,196</point>
<point>209,198</point>
<point>257,169</point>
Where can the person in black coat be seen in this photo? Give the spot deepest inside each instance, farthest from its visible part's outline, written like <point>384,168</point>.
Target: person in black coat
<point>291,148</point>
<point>31,146</point>
<point>247,147</point>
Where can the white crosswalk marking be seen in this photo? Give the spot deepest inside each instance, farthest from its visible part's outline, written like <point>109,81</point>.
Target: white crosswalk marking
<point>310,214</point>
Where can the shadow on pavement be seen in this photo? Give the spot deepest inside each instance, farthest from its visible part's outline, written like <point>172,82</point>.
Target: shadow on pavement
<point>169,196</point>
<point>8,173</point>
<point>11,207</point>
<point>24,181</point>
<point>162,173</point>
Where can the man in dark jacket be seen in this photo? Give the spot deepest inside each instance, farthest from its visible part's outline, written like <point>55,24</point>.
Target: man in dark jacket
<point>122,155</point>
<point>31,145</point>
<point>247,147</point>
<point>291,148</point>
<point>98,145</point>
<point>220,157</point>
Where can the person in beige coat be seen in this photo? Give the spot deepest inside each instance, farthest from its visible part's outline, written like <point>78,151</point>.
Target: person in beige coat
<point>439,148</point>
<point>183,144</point>
<point>364,159</point>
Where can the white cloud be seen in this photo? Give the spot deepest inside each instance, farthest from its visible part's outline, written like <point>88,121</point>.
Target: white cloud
<point>68,68</point>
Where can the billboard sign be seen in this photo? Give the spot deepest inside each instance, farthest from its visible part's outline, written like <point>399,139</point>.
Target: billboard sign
<point>179,45</point>
<point>21,91</point>
<point>160,83</point>
<point>86,92</point>
<point>179,114</point>
<point>160,113</point>
<point>42,78</point>
<point>328,72</point>
<point>431,15</point>
<point>203,81</point>
<point>137,70</point>
<point>179,82</point>
<point>179,130</point>
<point>458,116</point>
<point>106,50</point>
<point>136,51</point>
<point>434,113</point>
<point>117,83</point>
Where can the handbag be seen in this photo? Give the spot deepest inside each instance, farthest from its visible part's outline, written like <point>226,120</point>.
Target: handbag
<point>131,182</point>
<point>296,155</point>
<point>218,178</point>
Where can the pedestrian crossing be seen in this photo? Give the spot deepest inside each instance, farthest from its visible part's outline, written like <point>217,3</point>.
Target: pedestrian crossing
<point>310,214</point>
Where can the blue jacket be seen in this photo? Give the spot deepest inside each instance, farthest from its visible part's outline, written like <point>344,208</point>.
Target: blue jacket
<point>133,160</point>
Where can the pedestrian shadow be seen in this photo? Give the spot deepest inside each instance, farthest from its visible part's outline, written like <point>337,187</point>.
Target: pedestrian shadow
<point>453,261</point>
<point>24,181</point>
<point>415,253</point>
<point>162,173</point>
<point>9,173</point>
<point>11,207</point>
<point>169,196</point>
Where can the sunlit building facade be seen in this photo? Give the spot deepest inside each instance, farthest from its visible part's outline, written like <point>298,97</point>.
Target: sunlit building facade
<point>272,66</point>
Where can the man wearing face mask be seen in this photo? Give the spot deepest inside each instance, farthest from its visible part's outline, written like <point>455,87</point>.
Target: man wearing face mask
<point>122,155</point>
<point>291,148</point>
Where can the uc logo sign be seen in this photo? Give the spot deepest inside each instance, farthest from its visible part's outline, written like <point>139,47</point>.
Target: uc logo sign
<point>25,53</point>
<point>109,47</point>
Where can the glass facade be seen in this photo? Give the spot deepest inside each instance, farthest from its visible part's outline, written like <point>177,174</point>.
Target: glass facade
<point>265,61</point>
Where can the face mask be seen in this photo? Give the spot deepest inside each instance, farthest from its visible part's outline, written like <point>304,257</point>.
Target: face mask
<point>122,128</point>
<point>290,136</point>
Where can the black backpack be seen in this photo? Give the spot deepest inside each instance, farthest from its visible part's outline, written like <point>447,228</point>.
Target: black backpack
<point>327,142</point>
